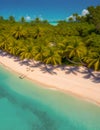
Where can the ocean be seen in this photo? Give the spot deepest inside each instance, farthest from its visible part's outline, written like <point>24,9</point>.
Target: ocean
<point>25,105</point>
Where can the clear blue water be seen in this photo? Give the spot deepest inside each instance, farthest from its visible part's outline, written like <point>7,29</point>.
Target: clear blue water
<point>26,106</point>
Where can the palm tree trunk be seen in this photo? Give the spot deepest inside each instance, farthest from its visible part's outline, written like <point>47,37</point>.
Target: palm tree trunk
<point>82,63</point>
<point>73,62</point>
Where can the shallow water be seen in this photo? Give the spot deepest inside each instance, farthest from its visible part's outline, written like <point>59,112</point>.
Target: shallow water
<point>26,106</point>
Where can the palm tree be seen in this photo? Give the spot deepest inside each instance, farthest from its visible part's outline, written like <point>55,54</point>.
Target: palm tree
<point>19,32</point>
<point>11,19</point>
<point>22,20</point>
<point>70,19</point>
<point>39,52</point>
<point>1,18</point>
<point>38,32</point>
<point>52,57</point>
<point>5,40</point>
<point>37,20</point>
<point>27,52</point>
<point>93,59</point>
<point>75,51</point>
<point>13,47</point>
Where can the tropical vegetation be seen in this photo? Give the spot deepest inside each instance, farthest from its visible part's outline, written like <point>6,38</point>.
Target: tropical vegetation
<point>72,42</point>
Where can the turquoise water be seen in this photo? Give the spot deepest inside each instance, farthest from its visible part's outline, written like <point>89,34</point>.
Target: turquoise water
<point>26,106</point>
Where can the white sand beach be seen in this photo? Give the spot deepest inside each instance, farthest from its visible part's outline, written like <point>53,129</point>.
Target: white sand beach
<point>73,80</point>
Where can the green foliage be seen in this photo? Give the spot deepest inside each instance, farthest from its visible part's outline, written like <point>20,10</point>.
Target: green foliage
<point>73,42</point>
<point>18,32</point>
<point>22,20</point>
<point>92,41</point>
<point>94,16</point>
<point>1,18</point>
<point>11,19</point>
<point>93,58</point>
<point>52,57</point>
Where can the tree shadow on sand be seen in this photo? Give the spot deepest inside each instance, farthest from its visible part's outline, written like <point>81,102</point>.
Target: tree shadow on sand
<point>71,69</point>
<point>3,53</point>
<point>22,62</point>
<point>96,79</point>
<point>44,68</point>
<point>36,65</point>
<point>48,69</point>
<point>89,74</point>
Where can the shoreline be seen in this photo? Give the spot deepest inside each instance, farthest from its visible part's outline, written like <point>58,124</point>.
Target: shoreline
<point>72,83</point>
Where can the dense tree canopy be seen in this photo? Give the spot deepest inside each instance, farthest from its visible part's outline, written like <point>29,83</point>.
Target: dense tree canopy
<point>70,42</point>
